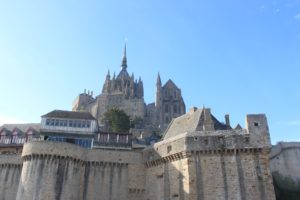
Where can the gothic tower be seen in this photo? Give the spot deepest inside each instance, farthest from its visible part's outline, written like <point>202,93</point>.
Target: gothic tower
<point>169,103</point>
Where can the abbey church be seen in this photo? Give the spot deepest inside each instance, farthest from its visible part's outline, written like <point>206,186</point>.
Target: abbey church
<point>127,93</point>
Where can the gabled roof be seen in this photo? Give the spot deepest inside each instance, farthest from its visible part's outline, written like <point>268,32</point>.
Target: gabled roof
<point>3,129</point>
<point>238,127</point>
<point>69,115</point>
<point>34,131</point>
<point>185,123</point>
<point>170,83</point>
<point>18,131</point>
<point>22,127</point>
<point>190,122</point>
<point>218,125</point>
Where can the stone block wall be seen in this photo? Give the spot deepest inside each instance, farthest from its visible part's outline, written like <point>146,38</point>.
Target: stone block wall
<point>211,175</point>
<point>64,171</point>
<point>220,165</point>
<point>168,180</point>
<point>10,171</point>
<point>285,168</point>
<point>50,177</point>
<point>231,175</point>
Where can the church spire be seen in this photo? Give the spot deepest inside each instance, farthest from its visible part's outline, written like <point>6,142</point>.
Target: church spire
<point>124,59</point>
<point>108,75</point>
<point>158,81</point>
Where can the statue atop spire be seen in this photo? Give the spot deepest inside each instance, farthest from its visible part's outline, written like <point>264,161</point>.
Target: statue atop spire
<point>124,59</point>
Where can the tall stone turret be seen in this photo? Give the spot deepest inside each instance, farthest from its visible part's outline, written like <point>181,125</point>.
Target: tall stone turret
<point>169,103</point>
<point>140,89</point>
<point>107,84</point>
<point>158,91</point>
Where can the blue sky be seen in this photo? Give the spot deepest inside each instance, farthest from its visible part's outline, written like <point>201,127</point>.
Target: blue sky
<point>235,56</point>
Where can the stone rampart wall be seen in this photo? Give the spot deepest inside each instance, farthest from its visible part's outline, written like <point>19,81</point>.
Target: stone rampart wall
<point>238,174</point>
<point>210,165</point>
<point>284,165</point>
<point>226,140</point>
<point>10,171</point>
<point>64,171</point>
<point>169,180</point>
<point>199,165</point>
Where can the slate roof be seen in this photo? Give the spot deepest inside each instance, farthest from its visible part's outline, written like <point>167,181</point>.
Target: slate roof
<point>69,114</point>
<point>218,125</point>
<point>189,123</point>
<point>21,127</point>
<point>238,127</point>
<point>170,83</point>
<point>184,123</point>
<point>2,129</point>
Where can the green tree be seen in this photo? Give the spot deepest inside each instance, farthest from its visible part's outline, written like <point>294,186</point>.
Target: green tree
<point>117,120</point>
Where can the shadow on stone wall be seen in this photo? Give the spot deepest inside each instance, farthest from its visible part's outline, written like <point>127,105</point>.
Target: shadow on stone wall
<point>285,187</point>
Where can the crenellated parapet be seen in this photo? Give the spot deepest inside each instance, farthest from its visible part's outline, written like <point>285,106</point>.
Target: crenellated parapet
<point>12,160</point>
<point>81,162</point>
<point>207,142</point>
<point>208,152</point>
<point>57,150</point>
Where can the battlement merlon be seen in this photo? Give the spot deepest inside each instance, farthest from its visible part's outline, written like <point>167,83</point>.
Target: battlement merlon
<point>257,126</point>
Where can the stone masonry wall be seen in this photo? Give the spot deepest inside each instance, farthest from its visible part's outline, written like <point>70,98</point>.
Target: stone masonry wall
<point>208,165</point>
<point>211,175</point>
<point>168,180</point>
<point>10,171</point>
<point>229,176</point>
<point>64,171</point>
<point>284,164</point>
